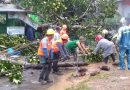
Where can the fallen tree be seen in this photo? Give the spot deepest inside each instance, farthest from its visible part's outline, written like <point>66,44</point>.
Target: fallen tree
<point>61,64</point>
<point>11,70</point>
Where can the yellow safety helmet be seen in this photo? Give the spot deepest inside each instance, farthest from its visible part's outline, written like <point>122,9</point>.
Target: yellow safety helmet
<point>50,31</point>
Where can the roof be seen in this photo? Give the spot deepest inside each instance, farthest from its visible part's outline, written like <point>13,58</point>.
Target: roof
<point>11,8</point>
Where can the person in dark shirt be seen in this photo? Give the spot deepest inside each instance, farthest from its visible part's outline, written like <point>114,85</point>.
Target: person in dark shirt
<point>107,35</point>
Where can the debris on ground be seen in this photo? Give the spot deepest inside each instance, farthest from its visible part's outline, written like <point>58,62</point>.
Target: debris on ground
<point>105,68</point>
<point>116,64</point>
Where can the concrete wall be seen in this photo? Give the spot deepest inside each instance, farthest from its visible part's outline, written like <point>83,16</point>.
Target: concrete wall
<point>124,9</point>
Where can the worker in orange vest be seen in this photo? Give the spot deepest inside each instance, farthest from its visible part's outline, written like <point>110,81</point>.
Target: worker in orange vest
<point>63,30</point>
<point>45,53</point>
<point>59,49</point>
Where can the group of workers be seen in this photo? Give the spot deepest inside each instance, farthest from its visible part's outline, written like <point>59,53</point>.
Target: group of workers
<point>121,45</point>
<point>56,45</point>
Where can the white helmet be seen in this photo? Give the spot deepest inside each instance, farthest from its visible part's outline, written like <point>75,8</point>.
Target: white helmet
<point>104,31</point>
<point>123,20</point>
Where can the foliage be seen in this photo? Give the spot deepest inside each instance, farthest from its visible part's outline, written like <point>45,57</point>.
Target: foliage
<point>11,41</point>
<point>85,13</point>
<point>46,7</point>
<point>92,58</point>
<point>81,86</point>
<point>33,58</point>
<point>70,8</point>
<point>12,71</point>
<point>112,23</point>
<point>2,18</point>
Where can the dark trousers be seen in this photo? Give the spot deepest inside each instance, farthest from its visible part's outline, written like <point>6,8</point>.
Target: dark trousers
<point>106,58</point>
<point>55,62</point>
<point>75,56</point>
<point>46,69</point>
<point>55,66</point>
<point>73,53</point>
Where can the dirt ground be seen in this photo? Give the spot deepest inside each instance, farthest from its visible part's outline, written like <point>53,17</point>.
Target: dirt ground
<point>110,80</point>
<point>105,80</point>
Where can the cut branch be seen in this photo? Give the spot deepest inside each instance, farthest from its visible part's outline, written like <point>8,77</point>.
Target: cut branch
<point>63,64</point>
<point>85,27</point>
<point>84,14</point>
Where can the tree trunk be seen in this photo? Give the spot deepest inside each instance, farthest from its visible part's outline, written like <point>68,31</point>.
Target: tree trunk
<point>63,64</point>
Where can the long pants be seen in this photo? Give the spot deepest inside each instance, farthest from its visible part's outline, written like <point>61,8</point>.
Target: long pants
<point>55,62</point>
<point>122,52</point>
<point>55,66</point>
<point>73,52</point>
<point>106,58</point>
<point>65,50</point>
<point>75,56</point>
<point>46,69</point>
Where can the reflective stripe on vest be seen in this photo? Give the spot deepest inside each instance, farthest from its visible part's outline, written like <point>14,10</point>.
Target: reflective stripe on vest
<point>40,52</point>
<point>54,45</point>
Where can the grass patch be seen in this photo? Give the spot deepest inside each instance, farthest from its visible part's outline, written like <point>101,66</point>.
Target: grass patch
<point>81,86</point>
<point>100,76</point>
<point>84,86</point>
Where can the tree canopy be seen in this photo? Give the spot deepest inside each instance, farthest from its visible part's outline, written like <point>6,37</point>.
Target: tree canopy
<point>77,14</point>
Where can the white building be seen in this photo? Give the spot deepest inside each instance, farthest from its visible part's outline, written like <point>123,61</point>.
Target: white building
<point>124,9</point>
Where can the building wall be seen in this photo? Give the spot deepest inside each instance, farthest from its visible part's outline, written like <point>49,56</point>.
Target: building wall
<point>124,9</point>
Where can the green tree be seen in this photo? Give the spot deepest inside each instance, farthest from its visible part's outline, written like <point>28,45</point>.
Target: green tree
<point>85,15</point>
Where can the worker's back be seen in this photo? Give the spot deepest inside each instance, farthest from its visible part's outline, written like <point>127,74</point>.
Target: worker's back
<point>124,37</point>
<point>71,44</point>
<point>107,46</point>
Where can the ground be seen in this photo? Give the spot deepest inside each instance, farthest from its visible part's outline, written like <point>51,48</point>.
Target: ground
<point>105,80</point>
<point>111,80</point>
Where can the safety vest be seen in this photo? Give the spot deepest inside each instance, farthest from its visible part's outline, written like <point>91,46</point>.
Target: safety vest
<point>54,45</point>
<point>40,52</point>
<point>63,32</point>
<point>49,46</point>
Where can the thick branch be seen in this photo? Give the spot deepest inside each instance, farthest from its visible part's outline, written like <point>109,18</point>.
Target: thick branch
<point>82,16</point>
<point>73,27</point>
<point>67,64</point>
<point>85,27</point>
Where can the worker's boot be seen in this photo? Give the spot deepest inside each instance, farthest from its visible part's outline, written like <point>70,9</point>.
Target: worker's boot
<point>49,81</point>
<point>42,82</point>
<point>58,73</point>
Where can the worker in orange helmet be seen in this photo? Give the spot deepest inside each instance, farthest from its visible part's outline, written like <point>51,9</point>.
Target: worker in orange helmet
<point>63,30</point>
<point>59,49</point>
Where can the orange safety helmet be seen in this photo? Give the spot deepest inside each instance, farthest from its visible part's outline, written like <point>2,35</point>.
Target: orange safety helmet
<point>64,26</point>
<point>98,37</point>
<point>65,36</point>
